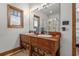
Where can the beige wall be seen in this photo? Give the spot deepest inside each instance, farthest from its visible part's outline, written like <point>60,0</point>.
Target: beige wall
<point>66,39</point>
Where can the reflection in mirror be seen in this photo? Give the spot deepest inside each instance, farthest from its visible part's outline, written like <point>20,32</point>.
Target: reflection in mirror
<point>36,23</point>
<point>49,14</point>
<point>77,29</point>
<point>15,17</point>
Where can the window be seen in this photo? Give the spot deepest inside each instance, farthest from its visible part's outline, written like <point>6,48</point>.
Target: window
<point>15,17</point>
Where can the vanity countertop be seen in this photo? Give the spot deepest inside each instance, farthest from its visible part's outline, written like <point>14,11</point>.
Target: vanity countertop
<point>49,37</point>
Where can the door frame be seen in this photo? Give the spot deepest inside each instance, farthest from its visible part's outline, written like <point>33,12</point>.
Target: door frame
<point>73,29</point>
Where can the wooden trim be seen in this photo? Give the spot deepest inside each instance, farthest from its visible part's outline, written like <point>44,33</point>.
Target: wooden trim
<point>15,7</point>
<point>36,16</point>
<point>8,17</point>
<point>9,51</point>
<point>73,29</point>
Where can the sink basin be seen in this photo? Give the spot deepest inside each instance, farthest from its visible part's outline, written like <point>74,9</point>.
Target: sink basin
<point>44,35</point>
<point>29,33</point>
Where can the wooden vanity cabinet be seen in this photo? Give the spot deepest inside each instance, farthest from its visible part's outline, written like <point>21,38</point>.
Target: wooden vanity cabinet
<point>39,46</point>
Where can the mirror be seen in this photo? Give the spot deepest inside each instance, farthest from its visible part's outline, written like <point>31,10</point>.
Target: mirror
<point>77,28</point>
<point>15,17</point>
<point>49,14</point>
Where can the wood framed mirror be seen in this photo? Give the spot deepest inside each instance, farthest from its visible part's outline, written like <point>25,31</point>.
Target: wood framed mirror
<point>14,17</point>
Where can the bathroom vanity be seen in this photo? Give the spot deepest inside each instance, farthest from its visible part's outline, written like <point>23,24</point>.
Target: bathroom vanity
<point>40,45</point>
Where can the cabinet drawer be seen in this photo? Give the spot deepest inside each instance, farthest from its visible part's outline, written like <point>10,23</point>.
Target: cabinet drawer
<point>25,38</point>
<point>33,40</point>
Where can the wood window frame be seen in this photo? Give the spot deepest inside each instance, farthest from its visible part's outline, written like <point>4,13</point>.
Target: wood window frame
<point>73,29</point>
<point>8,17</point>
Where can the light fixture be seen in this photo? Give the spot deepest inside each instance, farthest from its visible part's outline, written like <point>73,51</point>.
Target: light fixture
<point>55,19</point>
<point>44,5</point>
<point>51,12</point>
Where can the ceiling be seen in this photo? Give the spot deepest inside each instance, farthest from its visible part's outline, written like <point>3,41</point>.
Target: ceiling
<point>27,5</point>
<point>34,5</point>
<point>55,8</point>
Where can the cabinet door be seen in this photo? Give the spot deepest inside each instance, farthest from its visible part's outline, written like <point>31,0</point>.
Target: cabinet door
<point>43,43</point>
<point>33,40</point>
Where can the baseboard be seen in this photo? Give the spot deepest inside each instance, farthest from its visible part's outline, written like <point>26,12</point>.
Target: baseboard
<point>9,51</point>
